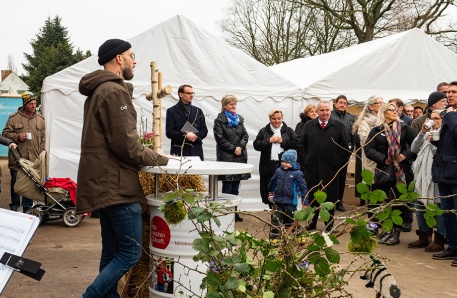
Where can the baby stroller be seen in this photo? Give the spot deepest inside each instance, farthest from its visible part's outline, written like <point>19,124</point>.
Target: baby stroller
<point>53,199</point>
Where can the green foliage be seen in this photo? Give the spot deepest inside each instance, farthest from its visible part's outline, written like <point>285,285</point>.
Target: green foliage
<point>52,52</point>
<point>299,263</point>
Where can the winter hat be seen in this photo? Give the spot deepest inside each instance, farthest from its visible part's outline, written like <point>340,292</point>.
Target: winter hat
<point>290,156</point>
<point>111,48</point>
<point>27,97</point>
<point>434,97</point>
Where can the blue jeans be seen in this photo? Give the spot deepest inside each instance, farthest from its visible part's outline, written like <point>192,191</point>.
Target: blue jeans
<point>121,229</point>
<point>449,203</point>
<point>422,223</point>
<point>15,198</point>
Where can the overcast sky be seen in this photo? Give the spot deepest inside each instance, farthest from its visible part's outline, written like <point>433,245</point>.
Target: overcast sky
<point>90,23</point>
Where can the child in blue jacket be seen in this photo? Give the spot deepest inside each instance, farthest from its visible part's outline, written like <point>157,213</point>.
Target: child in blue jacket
<point>287,184</point>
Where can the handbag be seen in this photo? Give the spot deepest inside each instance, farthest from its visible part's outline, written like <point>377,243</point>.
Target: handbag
<point>385,175</point>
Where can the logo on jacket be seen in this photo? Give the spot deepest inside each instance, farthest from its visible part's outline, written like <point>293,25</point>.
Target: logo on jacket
<point>123,108</point>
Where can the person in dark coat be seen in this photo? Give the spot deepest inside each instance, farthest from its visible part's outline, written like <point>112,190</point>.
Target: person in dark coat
<point>444,172</point>
<point>339,113</point>
<point>231,141</point>
<point>391,143</point>
<point>272,140</point>
<point>186,143</point>
<point>286,186</point>
<point>322,152</point>
<point>309,113</point>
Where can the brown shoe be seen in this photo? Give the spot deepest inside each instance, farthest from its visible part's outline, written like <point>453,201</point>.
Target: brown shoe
<point>437,244</point>
<point>424,240</point>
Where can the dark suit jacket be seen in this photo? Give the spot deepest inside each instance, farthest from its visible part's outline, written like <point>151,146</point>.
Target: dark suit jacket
<point>321,154</point>
<point>176,118</point>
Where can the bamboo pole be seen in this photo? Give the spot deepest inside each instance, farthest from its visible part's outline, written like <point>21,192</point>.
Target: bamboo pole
<point>156,96</point>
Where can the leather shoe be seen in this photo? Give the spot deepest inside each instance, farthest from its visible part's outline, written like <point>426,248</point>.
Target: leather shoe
<point>310,227</point>
<point>406,227</point>
<point>454,263</point>
<point>340,207</point>
<point>238,218</point>
<point>448,253</point>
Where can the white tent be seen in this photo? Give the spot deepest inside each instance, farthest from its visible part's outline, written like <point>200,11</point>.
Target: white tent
<point>407,65</point>
<point>186,54</point>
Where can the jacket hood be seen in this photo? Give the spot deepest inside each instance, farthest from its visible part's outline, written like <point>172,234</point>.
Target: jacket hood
<point>304,117</point>
<point>91,81</point>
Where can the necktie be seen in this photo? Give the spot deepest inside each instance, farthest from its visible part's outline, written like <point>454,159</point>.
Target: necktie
<point>323,125</point>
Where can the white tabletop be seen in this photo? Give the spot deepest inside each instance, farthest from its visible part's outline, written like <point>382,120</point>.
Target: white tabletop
<point>203,168</point>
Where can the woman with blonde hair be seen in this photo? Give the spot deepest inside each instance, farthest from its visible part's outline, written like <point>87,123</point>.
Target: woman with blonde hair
<point>231,141</point>
<point>390,149</point>
<point>365,122</point>
<point>272,140</point>
<point>309,113</point>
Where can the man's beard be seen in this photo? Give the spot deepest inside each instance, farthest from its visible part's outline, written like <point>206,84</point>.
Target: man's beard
<point>127,73</point>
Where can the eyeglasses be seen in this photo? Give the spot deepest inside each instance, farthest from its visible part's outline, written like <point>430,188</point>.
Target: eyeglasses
<point>189,93</point>
<point>378,103</point>
<point>392,110</point>
<point>436,118</point>
<point>132,55</point>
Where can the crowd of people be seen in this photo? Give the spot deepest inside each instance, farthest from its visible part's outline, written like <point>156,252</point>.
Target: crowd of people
<point>294,163</point>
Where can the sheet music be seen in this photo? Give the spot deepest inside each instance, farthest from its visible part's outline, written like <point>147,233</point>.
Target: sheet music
<point>16,231</point>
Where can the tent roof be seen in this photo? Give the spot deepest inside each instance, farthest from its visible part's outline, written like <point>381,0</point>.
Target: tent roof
<point>187,54</point>
<point>408,65</point>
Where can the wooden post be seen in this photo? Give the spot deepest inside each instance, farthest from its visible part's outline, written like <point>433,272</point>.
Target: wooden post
<point>156,96</point>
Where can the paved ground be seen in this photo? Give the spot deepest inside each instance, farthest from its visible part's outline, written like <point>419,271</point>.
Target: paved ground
<point>70,257</point>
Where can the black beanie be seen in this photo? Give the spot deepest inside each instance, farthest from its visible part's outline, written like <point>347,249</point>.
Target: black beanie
<point>111,48</point>
<point>434,97</point>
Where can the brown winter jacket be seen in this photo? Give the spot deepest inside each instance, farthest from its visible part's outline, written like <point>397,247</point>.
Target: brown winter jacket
<point>19,123</point>
<point>110,151</point>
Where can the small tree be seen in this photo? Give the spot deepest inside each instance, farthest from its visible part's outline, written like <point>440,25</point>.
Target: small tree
<point>52,52</point>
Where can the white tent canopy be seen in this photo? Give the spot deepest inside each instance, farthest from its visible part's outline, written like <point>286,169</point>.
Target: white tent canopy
<point>407,65</point>
<point>186,54</point>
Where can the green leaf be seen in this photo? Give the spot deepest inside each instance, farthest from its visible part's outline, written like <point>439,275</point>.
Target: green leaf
<point>401,188</point>
<point>380,195</point>
<point>217,221</point>
<point>332,255</point>
<point>362,188</point>
<point>314,257</point>
<point>320,196</point>
<point>350,220</point>
<point>273,265</point>
<point>383,215</point>
<point>322,267</point>
<point>367,177</point>
<point>387,225</point>
<point>188,198</point>
<point>232,283</point>
<point>397,220</point>
<point>204,217</point>
<point>328,205</point>
<point>242,267</point>
<point>169,196</point>
<point>304,214</point>
<point>324,214</point>
<point>268,294</point>
<point>412,186</point>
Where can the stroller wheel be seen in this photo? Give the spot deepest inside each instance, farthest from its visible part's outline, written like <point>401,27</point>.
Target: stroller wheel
<point>70,218</point>
<point>35,212</point>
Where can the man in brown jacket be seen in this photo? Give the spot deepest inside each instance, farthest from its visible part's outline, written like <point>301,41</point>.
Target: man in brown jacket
<point>27,128</point>
<point>110,159</point>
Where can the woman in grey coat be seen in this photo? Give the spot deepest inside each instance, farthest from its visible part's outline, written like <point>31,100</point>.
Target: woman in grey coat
<point>231,140</point>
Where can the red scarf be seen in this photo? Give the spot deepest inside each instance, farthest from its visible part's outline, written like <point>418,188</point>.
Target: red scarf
<point>393,133</point>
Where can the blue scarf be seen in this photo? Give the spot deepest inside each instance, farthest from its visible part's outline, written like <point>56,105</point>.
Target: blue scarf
<point>232,119</point>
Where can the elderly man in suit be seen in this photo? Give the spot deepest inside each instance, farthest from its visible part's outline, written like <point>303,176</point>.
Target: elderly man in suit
<point>322,151</point>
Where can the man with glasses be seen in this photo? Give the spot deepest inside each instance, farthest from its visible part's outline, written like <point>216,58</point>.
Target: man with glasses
<point>108,168</point>
<point>27,128</point>
<point>185,125</point>
<point>436,101</point>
